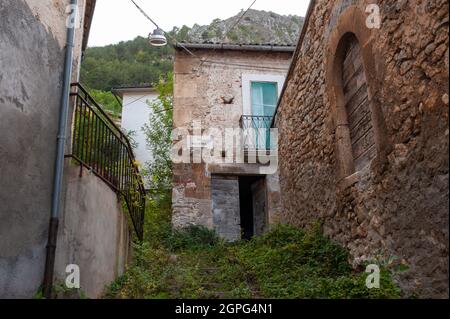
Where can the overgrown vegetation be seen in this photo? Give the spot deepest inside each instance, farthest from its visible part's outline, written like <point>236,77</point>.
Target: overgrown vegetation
<point>60,291</point>
<point>158,173</point>
<point>158,133</point>
<point>285,263</point>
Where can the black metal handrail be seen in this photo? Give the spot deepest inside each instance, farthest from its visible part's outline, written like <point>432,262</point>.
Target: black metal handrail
<point>100,145</point>
<point>256,135</point>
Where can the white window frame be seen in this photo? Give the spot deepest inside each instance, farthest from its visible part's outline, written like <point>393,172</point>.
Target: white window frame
<point>247,80</point>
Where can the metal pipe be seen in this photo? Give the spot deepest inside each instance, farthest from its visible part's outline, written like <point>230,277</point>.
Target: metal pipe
<point>59,163</point>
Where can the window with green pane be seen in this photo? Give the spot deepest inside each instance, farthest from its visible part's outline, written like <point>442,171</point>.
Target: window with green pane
<point>264,98</point>
<point>264,101</point>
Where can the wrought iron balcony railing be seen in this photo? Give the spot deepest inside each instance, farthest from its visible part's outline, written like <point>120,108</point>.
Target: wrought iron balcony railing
<point>256,135</point>
<point>101,146</point>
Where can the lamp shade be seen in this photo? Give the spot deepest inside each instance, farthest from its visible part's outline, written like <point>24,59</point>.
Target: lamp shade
<point>157,38</point>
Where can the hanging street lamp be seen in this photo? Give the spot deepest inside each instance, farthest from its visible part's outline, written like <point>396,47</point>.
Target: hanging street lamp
<point>157,38</point>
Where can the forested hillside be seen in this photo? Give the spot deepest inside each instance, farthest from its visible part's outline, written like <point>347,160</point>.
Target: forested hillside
<point>126,63</point>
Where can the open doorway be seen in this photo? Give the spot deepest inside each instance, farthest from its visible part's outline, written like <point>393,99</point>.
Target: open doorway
<point>252,202</point>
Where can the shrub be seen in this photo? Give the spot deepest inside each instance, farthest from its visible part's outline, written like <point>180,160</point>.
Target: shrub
<point>294,263</point>
<point>191,237</point>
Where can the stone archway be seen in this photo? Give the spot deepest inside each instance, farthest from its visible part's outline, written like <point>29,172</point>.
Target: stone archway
<point>351,25</point>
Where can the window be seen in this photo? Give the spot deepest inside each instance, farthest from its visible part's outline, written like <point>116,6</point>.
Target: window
<point>264,98</point>
<point>358,123</point>
<point>264,102</point>
<point>357,105</point>
<point>260,97</point>
<point>247,83</point>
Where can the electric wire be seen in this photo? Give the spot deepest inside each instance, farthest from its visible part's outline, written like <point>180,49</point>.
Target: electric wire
<point>134,101</point>
<point>138,99</point>
<point>203,60</point>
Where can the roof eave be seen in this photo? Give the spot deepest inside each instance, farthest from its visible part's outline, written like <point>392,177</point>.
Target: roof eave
<point>88,17</point>
<point>120,91</point>
<point>237,47</point>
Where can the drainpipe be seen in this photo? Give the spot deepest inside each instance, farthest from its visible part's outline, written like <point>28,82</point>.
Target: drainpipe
<point>59,163</point>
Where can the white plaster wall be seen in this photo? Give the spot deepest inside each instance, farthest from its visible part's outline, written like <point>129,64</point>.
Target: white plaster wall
<point>135,114</point>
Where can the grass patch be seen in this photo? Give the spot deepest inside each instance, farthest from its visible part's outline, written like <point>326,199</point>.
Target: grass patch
<point>286,263</point>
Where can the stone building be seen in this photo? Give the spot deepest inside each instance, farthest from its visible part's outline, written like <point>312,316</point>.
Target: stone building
<point>363,134</point>
<point>219,87</point>
<point>93,230</point>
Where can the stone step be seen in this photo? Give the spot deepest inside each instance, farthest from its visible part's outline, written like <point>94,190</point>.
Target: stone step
<point>210,271</point>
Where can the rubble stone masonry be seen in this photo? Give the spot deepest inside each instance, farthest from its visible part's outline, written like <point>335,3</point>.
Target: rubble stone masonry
<point>397,204</point>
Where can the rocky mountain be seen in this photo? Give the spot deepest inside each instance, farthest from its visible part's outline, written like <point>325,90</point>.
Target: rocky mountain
<point>255,27</point>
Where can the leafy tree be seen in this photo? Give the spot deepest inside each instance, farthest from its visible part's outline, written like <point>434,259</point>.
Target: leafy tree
<point>158,172</point>
<point>159,134</point>
<point>107,101</point>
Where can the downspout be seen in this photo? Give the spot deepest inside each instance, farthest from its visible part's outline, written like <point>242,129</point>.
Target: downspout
<point>59,163</point>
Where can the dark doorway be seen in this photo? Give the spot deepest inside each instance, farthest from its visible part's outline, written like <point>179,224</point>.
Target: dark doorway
<point>252,200</point>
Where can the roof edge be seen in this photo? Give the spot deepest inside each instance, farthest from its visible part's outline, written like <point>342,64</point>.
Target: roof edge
<point>88,17</point>
<point>120,91</point>
<point>237,47</point>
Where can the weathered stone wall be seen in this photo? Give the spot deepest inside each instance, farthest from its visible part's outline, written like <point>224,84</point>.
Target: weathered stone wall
<point>398,205</point>
<point>212,94</point>
<point>32,41</point>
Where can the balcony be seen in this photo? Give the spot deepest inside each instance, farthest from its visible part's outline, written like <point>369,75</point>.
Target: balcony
<point>256,132</point>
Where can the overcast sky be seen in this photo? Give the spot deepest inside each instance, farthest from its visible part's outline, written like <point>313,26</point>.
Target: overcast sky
<point>119,20</point>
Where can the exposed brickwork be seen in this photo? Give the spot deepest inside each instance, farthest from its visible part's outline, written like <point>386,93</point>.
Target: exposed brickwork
<point>398,205</point>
